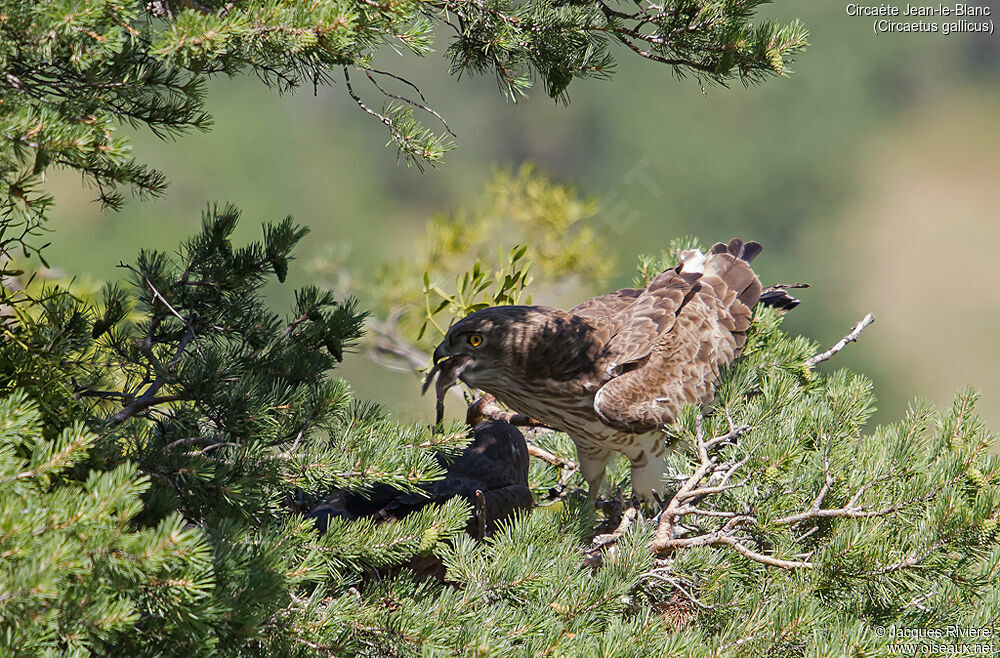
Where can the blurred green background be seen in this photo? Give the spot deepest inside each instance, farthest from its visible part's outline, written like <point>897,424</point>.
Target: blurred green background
<point>872,173</point>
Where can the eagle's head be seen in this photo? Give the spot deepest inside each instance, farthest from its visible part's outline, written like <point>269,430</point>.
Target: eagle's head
<point>485,346</point>
<point>499,347</point>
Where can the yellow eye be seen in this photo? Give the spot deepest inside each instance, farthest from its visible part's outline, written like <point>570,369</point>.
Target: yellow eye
<point>475,340</point>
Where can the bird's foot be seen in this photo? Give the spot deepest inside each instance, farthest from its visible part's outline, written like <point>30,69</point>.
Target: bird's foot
<point>648,503</point>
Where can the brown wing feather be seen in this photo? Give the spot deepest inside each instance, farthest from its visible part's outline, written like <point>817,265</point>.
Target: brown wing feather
<point>638,327</point>
<point>600,311</point>
<point>606,305</point>
<point>681,363</point>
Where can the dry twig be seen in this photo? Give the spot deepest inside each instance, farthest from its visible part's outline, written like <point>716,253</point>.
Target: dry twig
<point>690,490</point>
<point>842,343</point>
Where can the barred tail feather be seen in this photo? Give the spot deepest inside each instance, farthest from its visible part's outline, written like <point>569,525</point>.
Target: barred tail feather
<point>777,297</point>
<point>731,263</point>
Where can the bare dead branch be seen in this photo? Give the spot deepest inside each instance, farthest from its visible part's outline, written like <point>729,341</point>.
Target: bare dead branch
<point>216,445</point>
<point>391,350</point>
<point>842,343</point>
<point>705,491</point>
<point>684,503</point>
<point>689,510</point>
<point>186,441</point>
<point>381,117</point>
<point>628,518</point>
<point>787,286</point>
<point>691,489</point>
<point>140,404</point>
<point>543,454</point>
<point>760,557</point>
<point>852,510</point>
<point>725,537</point>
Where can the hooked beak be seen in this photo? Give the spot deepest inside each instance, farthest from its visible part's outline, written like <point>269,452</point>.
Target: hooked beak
<point>439,359</point>
<point>447,368</point>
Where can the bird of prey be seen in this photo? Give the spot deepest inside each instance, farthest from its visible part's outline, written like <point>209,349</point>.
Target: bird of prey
<point>613,371</point>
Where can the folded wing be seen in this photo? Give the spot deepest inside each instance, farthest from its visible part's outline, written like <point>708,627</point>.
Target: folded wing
<point>667,346</point>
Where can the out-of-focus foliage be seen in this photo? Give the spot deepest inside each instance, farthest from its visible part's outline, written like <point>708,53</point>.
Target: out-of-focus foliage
<point>475,290</point>
<point>483,257</point>
<point>545,222</point>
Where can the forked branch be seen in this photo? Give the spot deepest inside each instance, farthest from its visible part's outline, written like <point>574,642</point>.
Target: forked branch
<point>695,489</point>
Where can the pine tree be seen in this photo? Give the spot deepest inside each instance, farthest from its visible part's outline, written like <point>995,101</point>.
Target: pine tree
<point>158,458</point>
<point>210,421</point>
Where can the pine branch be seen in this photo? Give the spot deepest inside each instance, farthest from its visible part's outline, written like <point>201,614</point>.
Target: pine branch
<point>192,336</point>
<point>149,397</point>
<point>666,539</point>
<point>912,559</point>
<point>420,106</point>
<point>853,511</point>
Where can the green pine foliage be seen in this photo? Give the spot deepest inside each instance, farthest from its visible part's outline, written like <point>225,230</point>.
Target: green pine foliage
<point>160,444</point>
<point>77,574</point>
<point>893,541</point>
<point>156,463</point>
